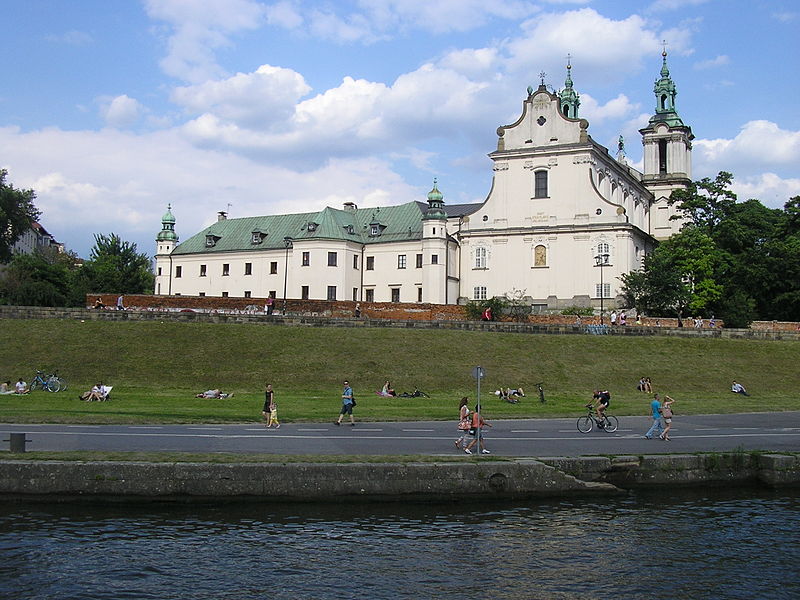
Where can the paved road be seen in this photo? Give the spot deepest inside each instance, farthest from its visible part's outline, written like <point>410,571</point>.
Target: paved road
<point>529,437</point>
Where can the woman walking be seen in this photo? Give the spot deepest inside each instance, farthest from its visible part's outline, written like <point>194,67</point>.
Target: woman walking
<point>463,422</point>
<point>666,414</point>
<point>269,401</point>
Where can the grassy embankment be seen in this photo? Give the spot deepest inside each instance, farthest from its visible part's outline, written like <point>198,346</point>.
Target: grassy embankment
<point>156,368</point>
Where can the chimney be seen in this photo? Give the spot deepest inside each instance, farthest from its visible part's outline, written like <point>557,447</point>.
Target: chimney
<point>222,215</point>
<point>351,206</point>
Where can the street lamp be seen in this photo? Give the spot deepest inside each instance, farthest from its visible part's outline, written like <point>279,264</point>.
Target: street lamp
<point>601,260</point>
<point>287,241</point>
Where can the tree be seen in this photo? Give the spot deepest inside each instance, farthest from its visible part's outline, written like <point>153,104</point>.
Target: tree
<point>36,280</point>
<point>705,203</point>
<point>115,267</point>
<point>17,212</point>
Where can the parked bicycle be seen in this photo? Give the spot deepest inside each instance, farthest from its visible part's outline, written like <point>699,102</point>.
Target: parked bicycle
<point>415,394</point>
<point>609,423</point>
<point>50,383</point>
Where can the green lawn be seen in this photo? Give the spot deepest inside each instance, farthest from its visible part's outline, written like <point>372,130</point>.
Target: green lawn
<point>156,368</point>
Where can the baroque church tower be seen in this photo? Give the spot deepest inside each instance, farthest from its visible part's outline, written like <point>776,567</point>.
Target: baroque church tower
<point>667,154</point>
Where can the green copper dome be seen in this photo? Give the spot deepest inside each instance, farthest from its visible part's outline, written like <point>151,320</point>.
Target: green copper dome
<point>435,204</point>
<point>167,233</point>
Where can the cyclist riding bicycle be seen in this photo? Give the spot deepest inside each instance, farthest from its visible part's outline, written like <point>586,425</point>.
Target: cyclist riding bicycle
<point>601,399</point>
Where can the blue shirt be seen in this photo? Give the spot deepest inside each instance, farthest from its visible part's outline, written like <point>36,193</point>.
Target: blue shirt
<point>656,406</point>
<point>347,395</point>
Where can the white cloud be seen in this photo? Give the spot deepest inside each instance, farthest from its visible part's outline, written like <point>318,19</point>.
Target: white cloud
<point>616,108</point>
<point>665,5</point>
<point>198,28</point>
<point>257,100</point>
<point>769,188</point>
<point>112,181</point>
<point>121,111</point>
<point>594,41</point>
<point>712,63</point>
<point>759,145</point>
<point>284,14</point>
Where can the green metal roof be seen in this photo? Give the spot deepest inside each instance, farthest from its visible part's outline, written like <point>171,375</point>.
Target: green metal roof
<point>398,223</point>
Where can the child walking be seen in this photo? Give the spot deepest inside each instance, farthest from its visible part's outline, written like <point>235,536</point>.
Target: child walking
<point>270,410</point>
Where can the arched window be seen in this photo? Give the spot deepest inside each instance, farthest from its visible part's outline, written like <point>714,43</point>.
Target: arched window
<point>540,256</point>
<point>540,184</point>
<point>481,261</point>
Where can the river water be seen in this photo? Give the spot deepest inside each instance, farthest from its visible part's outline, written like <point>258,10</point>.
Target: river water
<point>670,544</point>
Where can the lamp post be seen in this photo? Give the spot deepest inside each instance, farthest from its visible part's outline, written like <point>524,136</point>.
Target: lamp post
<point>601,260</point>
<point>287,241</point>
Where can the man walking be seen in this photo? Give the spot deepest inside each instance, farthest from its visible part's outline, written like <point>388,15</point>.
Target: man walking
<point>348,402</point>
<point>656,427</point>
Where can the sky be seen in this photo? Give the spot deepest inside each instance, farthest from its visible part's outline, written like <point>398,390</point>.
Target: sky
<point>110,111</point>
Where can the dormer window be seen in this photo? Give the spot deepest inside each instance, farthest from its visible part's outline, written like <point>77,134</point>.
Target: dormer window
<point>376,229</point>
<point>211,240</point>
<point>349,229</point>
<point>312,226</point>
<point>257,237</point>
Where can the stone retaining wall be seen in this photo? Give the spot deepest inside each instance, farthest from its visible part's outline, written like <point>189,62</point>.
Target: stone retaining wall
<point>36,312</point>
<point>521,478</point>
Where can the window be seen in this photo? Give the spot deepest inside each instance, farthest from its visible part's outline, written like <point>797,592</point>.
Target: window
<point>355,294</point>
<point>257,237</point>
<point>419,294</point>
<point>201,294</point>
<point>178,271</point>
<point>159,271</point>
<point>272,294</point>
<point>273,267</point>
<point>603,251</point>
<point>226,269</point>
<point>332,291</point>
<point>395,294</point>
<point>224,294</point>
<point>480,258</point>
<point>374,230</point>
<point>602,291</point>
<point>370,263</point>
<point>419,261</point>
<point>304,292</point>
<point>332,258</point>
<point>479,292</point>
<point>247,294</point>
<point>434,259</point>
<point>355,261</point>
<point>306,259</point>
<point>248,268</point>
<point>369,295</point>
<point>662,156</point>
<point>540,184</point>
<point>211,240</point>
<point>202,270</point>
<point>540,256</point>
<point>401,261</point>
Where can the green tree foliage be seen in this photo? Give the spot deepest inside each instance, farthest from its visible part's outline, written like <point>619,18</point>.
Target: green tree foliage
<point>115,267</point>
<point>739,261</point>
<point>17,211</point>
<point>39,279</point>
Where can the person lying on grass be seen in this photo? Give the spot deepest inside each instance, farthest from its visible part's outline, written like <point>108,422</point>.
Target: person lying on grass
<point>215,393</point>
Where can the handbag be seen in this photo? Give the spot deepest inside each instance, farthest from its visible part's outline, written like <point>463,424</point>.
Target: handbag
<point>353,400</point>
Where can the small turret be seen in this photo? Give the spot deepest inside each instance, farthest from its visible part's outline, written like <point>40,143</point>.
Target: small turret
<point>569,100</point>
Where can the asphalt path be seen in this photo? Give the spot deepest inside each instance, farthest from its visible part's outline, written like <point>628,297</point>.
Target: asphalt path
<point>777,432</point>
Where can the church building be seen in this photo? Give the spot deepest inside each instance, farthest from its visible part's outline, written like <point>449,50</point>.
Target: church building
<point>562,221</point>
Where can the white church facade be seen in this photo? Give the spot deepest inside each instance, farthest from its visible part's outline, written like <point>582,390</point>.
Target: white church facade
<point>564,219</point>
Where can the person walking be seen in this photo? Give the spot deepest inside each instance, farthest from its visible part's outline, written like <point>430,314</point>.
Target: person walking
<point>348,402</point>
<point>477,425</point>
<point>269,400</point>
<point>656,427</point>
<point>666,414</point>
<point>463,422</point>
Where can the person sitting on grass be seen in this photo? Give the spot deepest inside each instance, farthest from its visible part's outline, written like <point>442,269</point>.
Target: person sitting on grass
<point>96,394</point>
<point>738,388</point>
<point>5,387</point>
<point>215,393</point>
<point>21,387</point>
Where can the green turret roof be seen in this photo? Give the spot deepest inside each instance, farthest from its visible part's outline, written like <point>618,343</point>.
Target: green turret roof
<point>569,98</point>
<point>665,92</point>
<point>167,233</point>
<point>435,204</point>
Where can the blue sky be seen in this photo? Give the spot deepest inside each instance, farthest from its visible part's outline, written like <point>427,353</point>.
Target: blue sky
<point>112,110</point>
